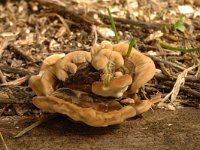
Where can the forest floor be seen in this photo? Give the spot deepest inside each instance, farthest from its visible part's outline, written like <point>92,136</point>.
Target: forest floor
<point>32,30</point>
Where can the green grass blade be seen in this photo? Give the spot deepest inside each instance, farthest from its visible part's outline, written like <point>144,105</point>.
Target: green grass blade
<point>113,26</point>
<point>131,45</point>
<point>179,49</point>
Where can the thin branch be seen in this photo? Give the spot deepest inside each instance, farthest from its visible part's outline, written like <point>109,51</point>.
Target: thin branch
<point>35,124</point>
<point>17,51</point>
<point>170,63</point>
<point>4,143</point>
<point>16,82</point>
<point>8,69</point>
<point>173,78</point>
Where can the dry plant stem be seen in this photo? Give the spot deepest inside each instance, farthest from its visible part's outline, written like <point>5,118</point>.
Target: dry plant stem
<point>2,77</point>
<point>37,123</point>
<point>165,70</point>
<point>60,18</point>
<point>17,51</point>
<point>191,92</point>
<point>157,59</point>
<point>4,143</point>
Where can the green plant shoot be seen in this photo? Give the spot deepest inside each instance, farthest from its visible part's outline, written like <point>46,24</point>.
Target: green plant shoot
<point>131,45</point>
<point>113,26</point>
<point>108,74</point>
<point>179,49</point>
<point>179,24</point>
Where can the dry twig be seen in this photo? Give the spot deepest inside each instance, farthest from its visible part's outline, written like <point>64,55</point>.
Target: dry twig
<point>35,124</point>
<point>189,78</point>
<point>60,18</point>
<point>157,59</point>
<point>16,50</point>
<point>8,69</point>
<point>16,82</point>
<point>4,143</point>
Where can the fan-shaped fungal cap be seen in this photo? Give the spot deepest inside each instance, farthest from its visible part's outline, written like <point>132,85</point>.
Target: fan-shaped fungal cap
<point>68,63</point>
<point>44,82</point>
<point>115,88</point>
<point>84,109</point>
<point>100,60</point>
<point>144,66</point>
<point>104,45</point>
<point>51,60</point>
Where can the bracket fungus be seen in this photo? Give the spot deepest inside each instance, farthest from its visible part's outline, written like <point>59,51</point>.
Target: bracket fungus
<point>74,84</point>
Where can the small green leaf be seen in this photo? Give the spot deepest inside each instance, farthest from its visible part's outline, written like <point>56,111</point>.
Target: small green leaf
<point>179,25</point>
<point>131,45</point>
<point>113,26</point>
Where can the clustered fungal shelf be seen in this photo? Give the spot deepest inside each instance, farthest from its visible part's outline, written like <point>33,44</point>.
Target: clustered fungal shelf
<point>92,87</point>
